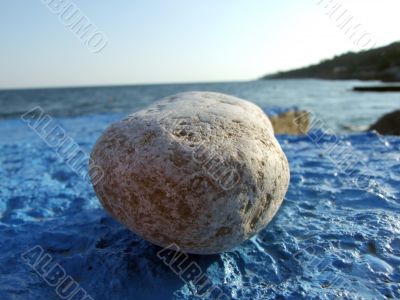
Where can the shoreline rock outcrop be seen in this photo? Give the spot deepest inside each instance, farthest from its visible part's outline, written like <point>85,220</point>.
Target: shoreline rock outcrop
<point>291,122</point>
<point>387,124</point>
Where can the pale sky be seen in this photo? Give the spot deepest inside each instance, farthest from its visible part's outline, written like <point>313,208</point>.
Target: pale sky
<point>159,41</point>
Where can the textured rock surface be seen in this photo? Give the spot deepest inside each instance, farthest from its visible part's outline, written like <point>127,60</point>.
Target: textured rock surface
<point>330,239</point>
<point>202,170</point>
<point>291,122</point>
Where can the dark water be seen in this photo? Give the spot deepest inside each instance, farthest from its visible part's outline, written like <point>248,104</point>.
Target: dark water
<point>332,101</point>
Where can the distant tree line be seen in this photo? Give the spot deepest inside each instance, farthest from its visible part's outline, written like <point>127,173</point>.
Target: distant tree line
<point>377,64</point>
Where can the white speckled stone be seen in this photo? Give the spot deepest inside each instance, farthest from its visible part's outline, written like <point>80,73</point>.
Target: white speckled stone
<point>202,170</point>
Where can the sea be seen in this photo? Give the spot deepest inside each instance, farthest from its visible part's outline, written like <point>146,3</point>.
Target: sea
<point>332,238</point>
<point>333,102</point>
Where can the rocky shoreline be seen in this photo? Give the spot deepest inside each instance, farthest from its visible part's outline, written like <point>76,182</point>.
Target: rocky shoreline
<point>291,122</point>
<point>387,124</point>
<point>294,122</point>
<point>377,88</point>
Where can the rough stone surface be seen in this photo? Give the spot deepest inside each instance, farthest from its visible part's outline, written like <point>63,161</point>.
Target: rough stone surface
<point>291,122</point>
<point>202,170</point>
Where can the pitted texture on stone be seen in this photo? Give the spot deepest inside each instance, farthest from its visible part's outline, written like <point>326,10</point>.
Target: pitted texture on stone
<point>202,170</point>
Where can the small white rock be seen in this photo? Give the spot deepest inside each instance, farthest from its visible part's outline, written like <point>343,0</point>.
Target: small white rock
<point>202,170</point>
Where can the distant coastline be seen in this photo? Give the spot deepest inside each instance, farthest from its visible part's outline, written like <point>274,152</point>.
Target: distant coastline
<point>381,64</point>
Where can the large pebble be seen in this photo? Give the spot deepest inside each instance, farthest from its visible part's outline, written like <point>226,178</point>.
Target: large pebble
<point>201,170</point>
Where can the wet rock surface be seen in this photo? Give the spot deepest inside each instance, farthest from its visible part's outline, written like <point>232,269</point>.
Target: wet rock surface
<point>199,169</point>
